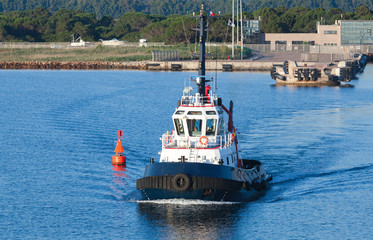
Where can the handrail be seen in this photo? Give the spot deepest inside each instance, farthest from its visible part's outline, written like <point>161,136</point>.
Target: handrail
<point>171,140</point>
<point>198,100</point>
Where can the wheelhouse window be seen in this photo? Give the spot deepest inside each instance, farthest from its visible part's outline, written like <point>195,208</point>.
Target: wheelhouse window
<point>179,112</point>
<point>194,113</point>
<point>221,126</point>
<point>210,127</point>
<point>210,113</point>
<point>179,127</point>
<point>194,127</point>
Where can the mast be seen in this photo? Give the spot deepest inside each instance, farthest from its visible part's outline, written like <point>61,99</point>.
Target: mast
<point>241,31</point>
<point>201,66</point>
<point>238,25</point>
<point>232,29</point>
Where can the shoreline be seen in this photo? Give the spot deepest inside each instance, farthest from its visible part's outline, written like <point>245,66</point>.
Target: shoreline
<point>75,65</point>
<point>259,62</point>
<point>220,65</point>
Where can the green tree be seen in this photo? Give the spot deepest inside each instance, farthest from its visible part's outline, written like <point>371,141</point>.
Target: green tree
<point>3,32</point>
<point>269,20</point>
<point>155,32</point>
<point>178,29</point>
<point>220,31</point>
<point>133,23</point>
<point>84,25</point>
<point>334,14</point>
<point>104,28</point>
<point>363,13</point>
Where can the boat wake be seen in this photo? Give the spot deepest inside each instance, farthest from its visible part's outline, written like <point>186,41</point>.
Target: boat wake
<point>340,180</point>
<point>323,174</point>
<point>186,202</point>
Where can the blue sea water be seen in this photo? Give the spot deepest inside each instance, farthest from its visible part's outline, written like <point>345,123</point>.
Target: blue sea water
<point>58,132</point>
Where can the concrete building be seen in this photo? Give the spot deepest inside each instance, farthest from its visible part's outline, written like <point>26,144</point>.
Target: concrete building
<point>343,32</point>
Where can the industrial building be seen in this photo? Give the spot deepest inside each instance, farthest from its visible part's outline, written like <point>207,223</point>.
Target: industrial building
<point>342,32</point>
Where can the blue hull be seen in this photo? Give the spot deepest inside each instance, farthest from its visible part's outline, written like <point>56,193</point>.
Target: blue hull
<point>204,182</point>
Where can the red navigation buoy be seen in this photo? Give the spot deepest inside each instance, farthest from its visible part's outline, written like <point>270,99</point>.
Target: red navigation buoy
<point>118,158</point>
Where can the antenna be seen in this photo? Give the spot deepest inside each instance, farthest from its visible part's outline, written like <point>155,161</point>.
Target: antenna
<point>241,31</point>
<point>232,29</point>
<point>216,70</point>
<point>201,80</point>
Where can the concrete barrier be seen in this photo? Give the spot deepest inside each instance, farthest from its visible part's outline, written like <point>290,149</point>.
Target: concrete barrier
<point>213,65</point>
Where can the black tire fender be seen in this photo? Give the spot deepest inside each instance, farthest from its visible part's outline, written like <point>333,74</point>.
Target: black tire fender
<point>181,182</point>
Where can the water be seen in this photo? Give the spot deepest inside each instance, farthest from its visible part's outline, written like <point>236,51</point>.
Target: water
<point>57,133</point>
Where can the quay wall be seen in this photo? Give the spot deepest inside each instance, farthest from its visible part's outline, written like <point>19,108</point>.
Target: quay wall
<point>226,65</point>
<point>143,65</point>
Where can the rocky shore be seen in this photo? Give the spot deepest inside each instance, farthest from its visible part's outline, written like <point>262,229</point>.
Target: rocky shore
<point>235,65</point>
<point>83,65</point>
<point>260,62</point>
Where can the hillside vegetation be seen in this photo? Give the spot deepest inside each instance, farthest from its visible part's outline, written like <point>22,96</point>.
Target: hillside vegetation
<point>117,8</point>
<point>41,25</point>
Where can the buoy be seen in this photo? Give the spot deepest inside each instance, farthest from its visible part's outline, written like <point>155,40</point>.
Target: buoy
<point>118,158</point>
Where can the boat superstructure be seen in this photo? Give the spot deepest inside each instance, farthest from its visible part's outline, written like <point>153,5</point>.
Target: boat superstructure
<point>200,134</point>
<point>200,157</point>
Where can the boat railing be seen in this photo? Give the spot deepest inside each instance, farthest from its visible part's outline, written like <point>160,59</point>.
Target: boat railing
<point>171,140</point>
<point>195,100</point>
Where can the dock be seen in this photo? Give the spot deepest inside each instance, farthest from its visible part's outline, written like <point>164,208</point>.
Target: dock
<point>262,62</point>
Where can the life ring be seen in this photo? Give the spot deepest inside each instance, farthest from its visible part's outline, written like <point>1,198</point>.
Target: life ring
<point>203,140</point>
<point>181,182</point>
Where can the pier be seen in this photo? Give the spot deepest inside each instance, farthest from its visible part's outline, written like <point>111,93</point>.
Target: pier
<point>258,62</point>
<point>234,65</point>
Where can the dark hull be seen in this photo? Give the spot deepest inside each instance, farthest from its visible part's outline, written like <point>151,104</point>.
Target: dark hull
<point>201,181</point>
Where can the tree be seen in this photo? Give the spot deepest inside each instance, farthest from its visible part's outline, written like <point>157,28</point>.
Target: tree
<point>363,13</point>
<point>3,32</point>
<point>269,20</point>
<point>155,32</point>
<point>104,28</point>
<point>178,29</point>
<point>220,32</point>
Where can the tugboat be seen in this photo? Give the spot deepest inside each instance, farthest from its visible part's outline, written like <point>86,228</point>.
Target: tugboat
<point>200,158</point>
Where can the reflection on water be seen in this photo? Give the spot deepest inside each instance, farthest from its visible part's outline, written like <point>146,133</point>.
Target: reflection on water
<point>346,85</point>
<point>120,174</point>
<point>192,220</point>
<point>279,86</point>
<point>120,179</point>
<point>343,85</point>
